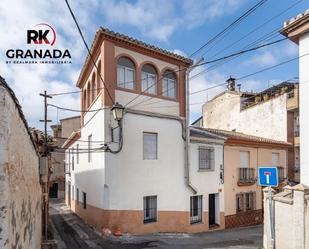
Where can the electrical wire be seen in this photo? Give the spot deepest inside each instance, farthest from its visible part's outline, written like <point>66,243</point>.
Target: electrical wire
<point>89,52</point>
<point>75,110</point>
<point>254,73</point>
<point>238,20</point>
<point>255,29</point>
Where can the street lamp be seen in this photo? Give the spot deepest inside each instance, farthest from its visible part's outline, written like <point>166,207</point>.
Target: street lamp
<point>118,111</point>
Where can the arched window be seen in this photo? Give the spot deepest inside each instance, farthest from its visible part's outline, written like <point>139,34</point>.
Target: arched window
<point>169,84</point>
<point>88,95</point>
<point>84,100</point>
<point>99,87</point>
<point>93,87</point>
<point>149,79</point>
<point>125,73</point>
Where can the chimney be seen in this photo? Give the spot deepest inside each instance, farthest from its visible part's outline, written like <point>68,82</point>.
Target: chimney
<point>238,87</point>
<point>231,84</point>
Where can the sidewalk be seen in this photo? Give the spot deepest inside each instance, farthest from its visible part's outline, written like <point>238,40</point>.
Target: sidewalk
<point>69,231</point>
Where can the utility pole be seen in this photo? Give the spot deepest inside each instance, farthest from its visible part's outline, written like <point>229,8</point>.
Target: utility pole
<point>45,121</point>
<point>187,142</point>
<point>45,153</point>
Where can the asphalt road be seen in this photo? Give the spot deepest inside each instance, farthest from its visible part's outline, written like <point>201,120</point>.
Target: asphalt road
<point>70,232</point>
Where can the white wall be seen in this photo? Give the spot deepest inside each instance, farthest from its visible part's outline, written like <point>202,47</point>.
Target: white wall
<point>224,113</point>
<point>304,103</point>
<point>208,182</point>
<point>147,103</point>
<point>90,177</point>
<point>267,119</point>
<point>120,181</point>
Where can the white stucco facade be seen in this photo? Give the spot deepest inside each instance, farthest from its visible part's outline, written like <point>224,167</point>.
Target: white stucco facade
<point>224,112</point>
<point>120,181</point>
<point>304,102</point>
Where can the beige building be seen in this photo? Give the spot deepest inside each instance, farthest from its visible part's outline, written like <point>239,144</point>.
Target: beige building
<point>20,190</point>
<point>272,113</point>
<point>242,156</point>
<point>61,133</point>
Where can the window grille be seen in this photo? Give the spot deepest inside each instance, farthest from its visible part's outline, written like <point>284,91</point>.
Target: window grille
<point>150,209</point>
<point>196,209</point>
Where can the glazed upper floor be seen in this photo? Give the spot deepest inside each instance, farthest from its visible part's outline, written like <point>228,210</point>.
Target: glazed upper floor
<point>130,68</point>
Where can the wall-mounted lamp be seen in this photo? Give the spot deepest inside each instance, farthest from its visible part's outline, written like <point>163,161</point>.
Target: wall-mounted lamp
<point>118,111</point>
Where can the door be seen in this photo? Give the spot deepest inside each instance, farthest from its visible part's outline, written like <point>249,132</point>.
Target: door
<point>212,209</point>
<point>53,191</point>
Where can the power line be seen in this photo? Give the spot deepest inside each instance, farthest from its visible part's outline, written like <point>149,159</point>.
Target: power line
<point>86,141</point>
<point>89,53</point>
<point>255,29</point>
<point>238,20</point>
<point>242,52</point>
<point>254,73</point>
<point>223,58</point>
<point>75,110</point>
<point>264,38</point>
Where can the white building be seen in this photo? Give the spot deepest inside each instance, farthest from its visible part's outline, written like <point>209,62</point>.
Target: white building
<point>297,29</point>
<point>132,174</point>
<point>272,113</point>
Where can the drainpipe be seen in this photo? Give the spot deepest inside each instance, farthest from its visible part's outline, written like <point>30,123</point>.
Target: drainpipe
<point>187,142</point>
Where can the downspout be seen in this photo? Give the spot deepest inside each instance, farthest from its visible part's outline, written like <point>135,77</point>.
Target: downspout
<point>187,141</point>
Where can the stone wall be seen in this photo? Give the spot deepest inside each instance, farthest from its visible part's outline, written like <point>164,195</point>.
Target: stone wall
<point>20,192</point>
<point>291,218</point>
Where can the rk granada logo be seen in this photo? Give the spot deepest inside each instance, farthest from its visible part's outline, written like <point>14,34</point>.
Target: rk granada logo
<point>42,38</point>
<point>44,33</point>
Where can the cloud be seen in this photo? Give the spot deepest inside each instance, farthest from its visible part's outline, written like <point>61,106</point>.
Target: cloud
<point>28,81</point>
<point>263,59</point>
<point>161,22</point>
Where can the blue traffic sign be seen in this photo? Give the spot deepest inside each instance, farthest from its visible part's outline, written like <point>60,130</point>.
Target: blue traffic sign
<point>268,176</point>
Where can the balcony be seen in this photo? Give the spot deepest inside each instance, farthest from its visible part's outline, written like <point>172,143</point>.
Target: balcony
<point>246,176</point>
<point>292,100</point>
<point>281,174</point>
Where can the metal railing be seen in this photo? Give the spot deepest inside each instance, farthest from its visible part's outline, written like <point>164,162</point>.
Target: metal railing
<point>246,175</point>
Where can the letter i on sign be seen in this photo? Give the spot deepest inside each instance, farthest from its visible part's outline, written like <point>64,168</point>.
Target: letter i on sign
<point>267,174</point>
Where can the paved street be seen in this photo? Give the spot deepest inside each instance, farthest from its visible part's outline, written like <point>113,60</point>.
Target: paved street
<point>70,232</point>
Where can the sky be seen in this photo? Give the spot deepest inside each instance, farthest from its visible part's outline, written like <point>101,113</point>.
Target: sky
<point>178,26</point>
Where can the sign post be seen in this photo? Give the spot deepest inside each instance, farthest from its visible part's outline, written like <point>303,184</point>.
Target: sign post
<point>268,177</point>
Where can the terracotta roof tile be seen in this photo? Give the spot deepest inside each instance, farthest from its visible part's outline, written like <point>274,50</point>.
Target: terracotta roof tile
<point>243,136</point>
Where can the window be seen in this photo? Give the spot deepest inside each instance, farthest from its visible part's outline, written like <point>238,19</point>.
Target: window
<point>150,146</point>
<point>77,195</point>
<point>244,159</point>
<point>99,78</point>
<point>245,202</point>
<point>206,158</point>
<point>84,200</point>
<point>196,209</point>
<point>93,88</point>
<point>275,159</point>
<point>239,203</point>
<point>85,100</point>
<point>169,84</point>
<point>73,192</point>
<point>73,158</point>
<point>150,209</point>
<point>77,153</point>
<point>149,79</point>
<point>89,148</point>
<point>125,73</point>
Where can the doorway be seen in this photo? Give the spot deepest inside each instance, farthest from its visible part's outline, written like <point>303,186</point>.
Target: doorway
<point>53,191</point>
<point>212,209</point>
